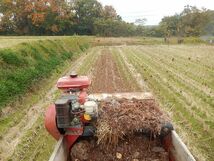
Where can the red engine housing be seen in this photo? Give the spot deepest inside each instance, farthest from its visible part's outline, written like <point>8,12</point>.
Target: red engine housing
<point>75,84</point>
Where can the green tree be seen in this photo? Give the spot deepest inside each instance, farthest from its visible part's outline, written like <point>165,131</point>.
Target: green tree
<point>111,27</point>
<point>170,25</point>
<point>86,13</point>
<point>193,21</point>
<point>190,22</point>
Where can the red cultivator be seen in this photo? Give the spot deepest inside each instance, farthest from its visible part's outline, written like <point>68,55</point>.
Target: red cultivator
<point>73,115</point>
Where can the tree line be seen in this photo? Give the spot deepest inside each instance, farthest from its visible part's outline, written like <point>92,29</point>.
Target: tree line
<point>190,22</point>
<point>90,17</point>
<point>62,17</point>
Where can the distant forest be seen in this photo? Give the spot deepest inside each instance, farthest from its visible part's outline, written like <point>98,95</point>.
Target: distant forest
<point>89,17</point>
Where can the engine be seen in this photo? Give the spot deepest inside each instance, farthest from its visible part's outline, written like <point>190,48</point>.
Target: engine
<point>73,114</point>
<point>73,108</point>
<point>70,113</point>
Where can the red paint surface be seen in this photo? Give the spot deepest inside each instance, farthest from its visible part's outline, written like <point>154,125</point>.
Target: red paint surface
<point>71,138</point>
<point>168,146</point>
<point>68,82</point>
<point>50,122</point>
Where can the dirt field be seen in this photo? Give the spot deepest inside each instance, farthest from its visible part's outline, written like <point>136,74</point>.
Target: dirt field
<point>106,77</point>
<point>180,76</point>
<point>135,148</point>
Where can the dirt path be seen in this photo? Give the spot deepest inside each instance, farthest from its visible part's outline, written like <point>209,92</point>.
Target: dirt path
<point>106,77</point>
<point>12,138</point>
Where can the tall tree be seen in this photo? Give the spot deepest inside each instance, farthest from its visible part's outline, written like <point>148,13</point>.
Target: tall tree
<point>86,12</point>
<point>193,20</point>
<point>170,25</point>
<point>190,22</point>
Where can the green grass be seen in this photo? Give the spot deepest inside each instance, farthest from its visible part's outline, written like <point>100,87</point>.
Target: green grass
<point>19,103</point>
<point>38,92</point>
<point>29,63</point>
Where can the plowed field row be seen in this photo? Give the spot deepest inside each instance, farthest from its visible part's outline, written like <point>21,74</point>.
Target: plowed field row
<point>182,79</point>
<point>109,75</point>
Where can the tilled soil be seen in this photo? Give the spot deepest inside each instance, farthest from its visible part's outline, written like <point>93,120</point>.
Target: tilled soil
<point>127,130</point>
<point>135,148</point>
<point>106,75</point>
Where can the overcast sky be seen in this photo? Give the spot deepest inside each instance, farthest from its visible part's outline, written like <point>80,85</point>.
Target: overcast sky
<point>153,10</point>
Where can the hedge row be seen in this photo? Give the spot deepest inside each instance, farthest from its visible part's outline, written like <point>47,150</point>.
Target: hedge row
<point>29,63</point>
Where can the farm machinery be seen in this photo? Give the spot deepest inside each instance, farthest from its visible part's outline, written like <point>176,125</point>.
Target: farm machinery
<point>73,114</point>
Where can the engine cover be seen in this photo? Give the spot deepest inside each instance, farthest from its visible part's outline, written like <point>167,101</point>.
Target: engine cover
<point>63,109</point>
<point>70,113</point>
<point>78,82</point>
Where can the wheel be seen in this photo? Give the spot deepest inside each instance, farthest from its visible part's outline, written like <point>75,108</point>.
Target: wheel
<point>50,122</point>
